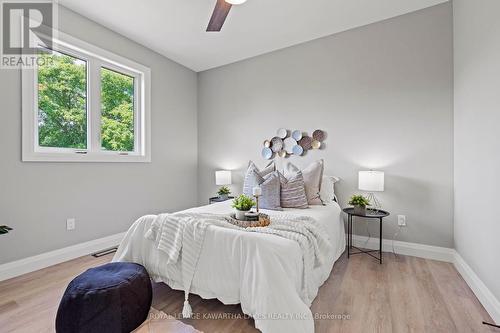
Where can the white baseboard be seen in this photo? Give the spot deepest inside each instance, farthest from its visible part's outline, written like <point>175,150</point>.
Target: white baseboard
<point>483,294</point>
<point>30,264</point>
<point>405,248</point>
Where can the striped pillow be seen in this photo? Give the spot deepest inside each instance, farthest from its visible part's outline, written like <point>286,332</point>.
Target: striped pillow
<point>270,186</point>
<point>293,193</point>
<point>250,180</point>
<point>313,175</point>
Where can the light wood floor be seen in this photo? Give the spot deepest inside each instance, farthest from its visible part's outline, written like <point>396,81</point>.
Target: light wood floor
<point>405,294</point>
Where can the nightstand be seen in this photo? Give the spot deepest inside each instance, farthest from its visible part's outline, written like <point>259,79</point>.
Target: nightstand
<point>217,199</point>
<point>370,214</point>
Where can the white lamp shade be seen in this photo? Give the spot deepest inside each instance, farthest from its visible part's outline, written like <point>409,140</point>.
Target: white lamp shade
<point>223,177</point>
<point>236,2</point>
<point>371,181</point>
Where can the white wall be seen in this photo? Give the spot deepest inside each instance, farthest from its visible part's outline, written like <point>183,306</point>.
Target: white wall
<point>36,198</point>
<point>477,140</point>
<point>383,93</point>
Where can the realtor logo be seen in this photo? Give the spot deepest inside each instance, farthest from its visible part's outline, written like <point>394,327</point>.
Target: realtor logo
<point>26,27</point>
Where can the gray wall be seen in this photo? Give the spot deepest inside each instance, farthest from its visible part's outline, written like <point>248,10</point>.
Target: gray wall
<point>396,73</point>
<point>36,198</point>
<point>383,93</point>
<point>477,145</point>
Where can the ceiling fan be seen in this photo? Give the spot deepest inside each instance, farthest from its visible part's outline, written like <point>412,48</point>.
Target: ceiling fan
<point>219,15</point>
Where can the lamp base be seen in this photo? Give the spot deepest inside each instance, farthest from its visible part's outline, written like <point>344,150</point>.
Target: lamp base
<point>375,203</point>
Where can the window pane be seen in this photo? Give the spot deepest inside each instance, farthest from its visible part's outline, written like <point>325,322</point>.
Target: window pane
<point>62,101</point>
<point>117,111</point>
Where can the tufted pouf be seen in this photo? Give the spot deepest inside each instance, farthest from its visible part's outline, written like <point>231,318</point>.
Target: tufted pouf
<point>115,297</point>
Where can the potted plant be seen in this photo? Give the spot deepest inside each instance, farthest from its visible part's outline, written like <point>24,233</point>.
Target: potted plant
<point>359,202</point>
<point>224,192</point>
<point>4,229</point>
<point>242,205</point>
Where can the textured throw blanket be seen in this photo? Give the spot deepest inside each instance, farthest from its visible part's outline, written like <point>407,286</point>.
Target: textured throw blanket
<point>181,237</point>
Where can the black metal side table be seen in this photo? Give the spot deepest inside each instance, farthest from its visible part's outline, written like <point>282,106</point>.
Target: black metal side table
<point>371,214</point>
<point>217,199</point>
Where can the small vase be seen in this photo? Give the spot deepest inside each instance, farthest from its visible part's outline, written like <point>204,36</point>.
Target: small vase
<point>240,214</point>
<point>223,196</point>
<point>360,210</point>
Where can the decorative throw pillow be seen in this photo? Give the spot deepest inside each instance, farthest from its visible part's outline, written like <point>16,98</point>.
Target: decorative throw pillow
<point>313,175</point>
<point>270,186</point>
<point>327,192</point>
<point>250,180</point>
<point>293,194</point>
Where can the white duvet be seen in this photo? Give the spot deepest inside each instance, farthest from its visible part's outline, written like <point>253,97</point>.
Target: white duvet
<point>262,272</point>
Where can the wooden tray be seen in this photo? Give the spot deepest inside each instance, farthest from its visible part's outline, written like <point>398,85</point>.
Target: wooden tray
<point>263,221</point>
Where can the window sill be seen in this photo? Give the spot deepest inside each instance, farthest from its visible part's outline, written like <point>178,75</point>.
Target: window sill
<point>89,157</point>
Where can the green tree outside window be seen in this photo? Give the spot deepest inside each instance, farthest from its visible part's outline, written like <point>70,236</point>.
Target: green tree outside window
<point>62,104</point>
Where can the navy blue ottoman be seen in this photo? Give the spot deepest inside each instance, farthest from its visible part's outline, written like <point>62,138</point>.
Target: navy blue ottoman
<point>115,297</point>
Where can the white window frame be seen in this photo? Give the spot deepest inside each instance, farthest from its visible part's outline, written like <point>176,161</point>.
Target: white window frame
<point>96,59</point>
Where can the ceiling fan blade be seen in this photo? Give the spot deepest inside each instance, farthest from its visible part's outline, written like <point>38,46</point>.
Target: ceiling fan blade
<point>219,15</point>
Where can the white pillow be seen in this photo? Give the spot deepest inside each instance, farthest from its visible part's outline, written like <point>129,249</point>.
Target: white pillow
<point>327,192</point>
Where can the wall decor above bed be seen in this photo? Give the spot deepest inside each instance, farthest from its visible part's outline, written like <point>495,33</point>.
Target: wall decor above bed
<point>295,142</point>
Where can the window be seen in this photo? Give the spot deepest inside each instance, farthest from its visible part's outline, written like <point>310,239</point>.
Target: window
<point>117,111</point>
<point>85,104</point>
<point>62,101</point>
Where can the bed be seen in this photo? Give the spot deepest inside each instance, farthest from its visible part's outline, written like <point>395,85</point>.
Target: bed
<point>262,272</point>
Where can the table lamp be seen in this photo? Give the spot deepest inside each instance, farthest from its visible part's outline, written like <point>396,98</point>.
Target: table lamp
<point>371,181</point>
<point>223,177</point>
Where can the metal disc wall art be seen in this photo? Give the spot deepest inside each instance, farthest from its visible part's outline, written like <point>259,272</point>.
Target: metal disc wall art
<point>276,144</point>
<point>298,150</point>
<point>306,142</point>
<point>282,133</point>
<point>297,135</point>
<point>267,153</point>
<point>319,135</point>
<point>287,143</point>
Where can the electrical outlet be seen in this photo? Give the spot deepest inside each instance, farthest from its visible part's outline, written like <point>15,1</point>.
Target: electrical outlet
<point>70,224</point>
<point>402,220</point>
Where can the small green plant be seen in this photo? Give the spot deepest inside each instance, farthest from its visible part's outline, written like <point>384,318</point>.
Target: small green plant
<point>359,200</point>
<point>224,190</point>
<point>4,229</point>
<point>243,202</point>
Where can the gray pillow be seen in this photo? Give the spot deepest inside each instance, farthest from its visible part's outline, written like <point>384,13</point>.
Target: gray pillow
<point>270,186</point>
<point>313,175</point>
<point>293,194</point>
<point>250,180</point>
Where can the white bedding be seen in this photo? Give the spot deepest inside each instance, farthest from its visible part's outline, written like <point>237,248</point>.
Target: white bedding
<point>262,272</point>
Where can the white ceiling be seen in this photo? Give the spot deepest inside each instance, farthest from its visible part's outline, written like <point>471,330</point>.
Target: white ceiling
<point>176,28</point>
